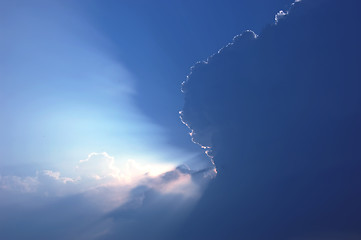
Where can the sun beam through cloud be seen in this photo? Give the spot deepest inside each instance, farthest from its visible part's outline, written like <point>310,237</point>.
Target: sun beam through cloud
<point>71,132</point>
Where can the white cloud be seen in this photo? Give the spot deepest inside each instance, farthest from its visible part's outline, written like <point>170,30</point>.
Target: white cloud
<point>56,176</point>
<point>100,171</point>
<point>19,184</point>
<point>107,171</point>
<point>98,166</point>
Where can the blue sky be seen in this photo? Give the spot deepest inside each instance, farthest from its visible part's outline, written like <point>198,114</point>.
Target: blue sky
<point>90,94</point>
<point>82,77</point>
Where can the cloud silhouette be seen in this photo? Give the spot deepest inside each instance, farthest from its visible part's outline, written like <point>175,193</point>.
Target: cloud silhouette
<point>280,115</point>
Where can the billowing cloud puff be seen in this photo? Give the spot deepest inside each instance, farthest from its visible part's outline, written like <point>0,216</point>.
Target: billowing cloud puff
<point>280,115</point>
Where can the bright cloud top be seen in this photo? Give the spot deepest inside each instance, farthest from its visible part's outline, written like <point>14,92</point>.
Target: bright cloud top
<point>101,166</point>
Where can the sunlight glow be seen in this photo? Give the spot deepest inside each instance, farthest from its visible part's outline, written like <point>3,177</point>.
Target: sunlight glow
<point>65,96</point>
<point>103,167</point>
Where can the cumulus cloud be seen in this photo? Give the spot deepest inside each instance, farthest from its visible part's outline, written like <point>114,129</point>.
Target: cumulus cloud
<point>110,196</point>
<point>101,170</point>
<point>98,166</point>
<point>17,183</point>
<point>279,113</point>
<point>56,176</point>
